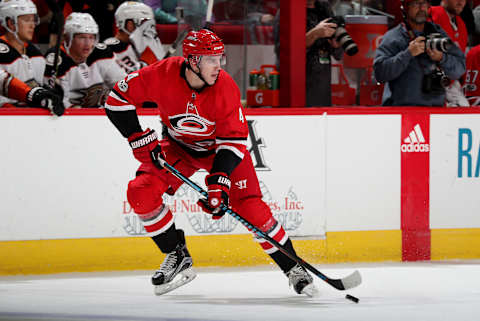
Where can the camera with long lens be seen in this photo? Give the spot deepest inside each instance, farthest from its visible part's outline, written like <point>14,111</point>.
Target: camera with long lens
<point>435,82</point>
<point>438,42</point>
<point>342,37</point>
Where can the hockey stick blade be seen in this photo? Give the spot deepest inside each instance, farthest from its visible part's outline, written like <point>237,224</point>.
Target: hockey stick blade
<point>348,282</point>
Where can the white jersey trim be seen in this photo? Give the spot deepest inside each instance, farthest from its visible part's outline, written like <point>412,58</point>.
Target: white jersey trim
<point>117,97</point>
<point>163,229</point>
<point>234,150</point>
<point>119,108</point>
<point>160,216</point>
<point>228,141</point>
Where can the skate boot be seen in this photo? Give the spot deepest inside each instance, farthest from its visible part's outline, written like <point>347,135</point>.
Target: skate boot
<point>301,281</point>
<point>175,271</point>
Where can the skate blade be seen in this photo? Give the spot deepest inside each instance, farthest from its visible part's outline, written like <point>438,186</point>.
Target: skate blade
<point>183,278</point>
<point>310,290</point>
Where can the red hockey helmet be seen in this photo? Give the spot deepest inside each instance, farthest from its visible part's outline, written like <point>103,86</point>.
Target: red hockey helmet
<point>202,43</point>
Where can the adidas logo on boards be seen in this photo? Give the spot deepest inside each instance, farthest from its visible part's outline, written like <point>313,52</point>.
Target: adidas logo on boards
<point>415,141</point>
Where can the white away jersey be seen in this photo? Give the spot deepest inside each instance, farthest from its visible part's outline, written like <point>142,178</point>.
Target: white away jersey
<point>28,67</point>
<point>125,54</point>
<point>144,48</point>
<point>86,84</point>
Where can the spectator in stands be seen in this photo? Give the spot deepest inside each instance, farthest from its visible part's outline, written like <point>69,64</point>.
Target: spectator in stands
<point>164,10</point>
<point>348,7</point>
<point>466,14</point>
<point>21,62</point>
<point>447,16</point>
<point>415,75</point>
<point>251,13</point>
<point>476,19</point>
<point>136,43</point>
<point>257,15</point>
<point>472,76</point>
<point>86,69</point>
<point>194,11</point>
<point>320,48</point>
<point>256,12</point>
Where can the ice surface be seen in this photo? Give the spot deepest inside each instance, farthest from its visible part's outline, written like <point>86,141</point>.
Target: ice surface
<point>389,292</point>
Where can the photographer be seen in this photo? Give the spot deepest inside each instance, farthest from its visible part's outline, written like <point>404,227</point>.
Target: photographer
<point>320,47</point>
<point>417,60</point>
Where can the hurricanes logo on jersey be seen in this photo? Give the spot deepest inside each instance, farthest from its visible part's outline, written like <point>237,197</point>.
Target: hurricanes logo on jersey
<point>191,123</point>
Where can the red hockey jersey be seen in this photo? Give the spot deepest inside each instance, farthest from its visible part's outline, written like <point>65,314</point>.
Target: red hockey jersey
<point>472,77</point>
<point>458,34</point>
<point>203,121</point>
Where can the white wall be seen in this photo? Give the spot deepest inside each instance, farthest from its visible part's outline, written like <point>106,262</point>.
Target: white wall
<point>66,177</point>
<point>363,172</point>
<point>454,198</point>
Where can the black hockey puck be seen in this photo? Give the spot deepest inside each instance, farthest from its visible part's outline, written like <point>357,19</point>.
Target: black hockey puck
<point>352,298</point>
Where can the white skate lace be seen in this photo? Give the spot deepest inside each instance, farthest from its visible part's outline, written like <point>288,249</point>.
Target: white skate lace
<point>169,263</point>
<point>296,274</point>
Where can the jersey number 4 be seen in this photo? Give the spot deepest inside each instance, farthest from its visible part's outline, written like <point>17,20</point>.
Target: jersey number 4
<point>240,114</point>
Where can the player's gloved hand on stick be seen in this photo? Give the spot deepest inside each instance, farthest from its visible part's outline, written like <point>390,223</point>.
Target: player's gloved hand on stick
<point>41,97</point>
<point>146,147</point>
<point>218,190</point>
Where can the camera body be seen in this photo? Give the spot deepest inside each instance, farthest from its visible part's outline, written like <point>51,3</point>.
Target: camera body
<point>342,37</point>
<point>435,82</point>
<point>438,42</point>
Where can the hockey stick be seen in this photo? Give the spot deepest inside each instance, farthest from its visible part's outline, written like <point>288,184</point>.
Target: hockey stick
<point>345,283</point>
<point>208,20</point>
<point>173,47</point>
<point>58,16</point>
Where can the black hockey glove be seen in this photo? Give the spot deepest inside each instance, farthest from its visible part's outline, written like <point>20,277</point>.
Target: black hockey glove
<point>41,97</point>
<point>218,193</point>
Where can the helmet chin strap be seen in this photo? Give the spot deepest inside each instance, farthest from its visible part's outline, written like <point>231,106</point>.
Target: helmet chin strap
<point>68,44</point>
<point>15,32</point>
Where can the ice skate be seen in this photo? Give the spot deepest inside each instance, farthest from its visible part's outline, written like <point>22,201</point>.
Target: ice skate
<point>301,281</point>
<point>175,271</point>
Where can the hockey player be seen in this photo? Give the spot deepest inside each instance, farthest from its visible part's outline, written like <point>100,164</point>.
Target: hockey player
<point>204,128</point>
<point>86,69</point>
<point>21,63</point>
<point>136,43</point>
<point>17,90</point>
